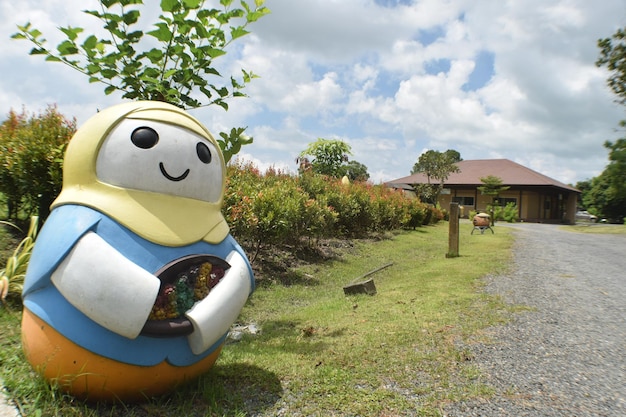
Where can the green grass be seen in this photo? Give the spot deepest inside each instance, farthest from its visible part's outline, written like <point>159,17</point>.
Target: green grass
<point>612,229</point>
<point>320,352</point>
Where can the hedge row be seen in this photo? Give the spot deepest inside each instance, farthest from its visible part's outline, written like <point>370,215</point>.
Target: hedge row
<point>279,208</point>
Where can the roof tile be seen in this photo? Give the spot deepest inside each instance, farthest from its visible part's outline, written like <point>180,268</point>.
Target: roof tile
<point>511,174</point>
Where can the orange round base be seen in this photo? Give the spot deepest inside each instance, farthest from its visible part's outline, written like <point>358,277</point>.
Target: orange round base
<point>87,375</point>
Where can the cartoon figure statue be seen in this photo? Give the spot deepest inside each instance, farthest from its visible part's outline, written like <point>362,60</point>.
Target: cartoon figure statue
<point>134,280</point>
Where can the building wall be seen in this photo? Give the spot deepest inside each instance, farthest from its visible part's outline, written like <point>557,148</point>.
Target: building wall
<point>534,206</point>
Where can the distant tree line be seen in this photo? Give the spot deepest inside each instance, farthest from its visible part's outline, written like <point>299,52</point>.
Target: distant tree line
<point>605,195</point>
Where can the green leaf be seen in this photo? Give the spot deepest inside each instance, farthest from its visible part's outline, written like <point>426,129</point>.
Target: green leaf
<point>238,32</point>
<point>35,33</point>
<point>171,92</point>
<point>109,89</point>
<point>38,51</point>
<point>108,73</point>
<point>67,48</point>
<point>25,27</point>
<point>93,13</point>
<point>192,4</point>
<point>70,32</point>
<point>90,43</point>
<point>149,79</point>
<point>151,72</point>
<point>162,33</point>
<point>223,92</point>
<point>170,73</point>
<point>214,52</point>
<point>100,47</point>
<point>52,58</point>
<point>131,17</point>
<point>208,93</point>
<point>154,55</point>
<point>170,5</point>
<point>93,69</point>
<point>254,16</point>
<point>213,71</point>
<point>112,17</point>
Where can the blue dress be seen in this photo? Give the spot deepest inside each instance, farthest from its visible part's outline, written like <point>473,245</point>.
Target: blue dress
<point>62,230</point>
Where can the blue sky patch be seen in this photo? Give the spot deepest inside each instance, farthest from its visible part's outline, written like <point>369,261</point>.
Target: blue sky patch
<point>436,66</point>
<point>483,71</point>
<point>429,36</point>
<point>393,3</point>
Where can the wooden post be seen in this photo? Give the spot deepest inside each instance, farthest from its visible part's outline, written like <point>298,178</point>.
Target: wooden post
<point>453,234</point>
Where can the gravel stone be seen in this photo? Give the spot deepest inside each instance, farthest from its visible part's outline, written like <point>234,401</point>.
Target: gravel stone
<point>566,355</point>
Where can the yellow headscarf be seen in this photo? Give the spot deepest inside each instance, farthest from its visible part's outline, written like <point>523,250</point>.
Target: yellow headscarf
<point>164,219</point>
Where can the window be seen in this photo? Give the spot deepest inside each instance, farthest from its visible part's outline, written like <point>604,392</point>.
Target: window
<point>463,201</point>
<point>502,202</point>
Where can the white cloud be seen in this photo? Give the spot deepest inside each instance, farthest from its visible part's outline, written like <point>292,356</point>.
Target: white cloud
<point>391,81</point>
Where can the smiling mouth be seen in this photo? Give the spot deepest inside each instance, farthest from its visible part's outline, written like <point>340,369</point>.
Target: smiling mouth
<point>171,178</point>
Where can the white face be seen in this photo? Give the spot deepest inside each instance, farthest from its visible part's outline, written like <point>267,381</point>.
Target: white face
<point>162,158</point>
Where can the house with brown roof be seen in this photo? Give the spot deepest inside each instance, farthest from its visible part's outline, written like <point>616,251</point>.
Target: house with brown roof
<point>538,197</point>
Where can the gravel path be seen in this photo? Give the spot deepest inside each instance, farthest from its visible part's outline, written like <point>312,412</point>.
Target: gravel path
<point>566,357</point>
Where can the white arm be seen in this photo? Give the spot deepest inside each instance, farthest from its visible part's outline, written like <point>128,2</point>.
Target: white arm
<point>106,286</point>
<point>213,316</point>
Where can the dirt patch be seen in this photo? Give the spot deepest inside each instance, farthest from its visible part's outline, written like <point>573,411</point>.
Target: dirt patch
<point>279,264</point>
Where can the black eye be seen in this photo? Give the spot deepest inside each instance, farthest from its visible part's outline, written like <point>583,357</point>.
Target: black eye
<point>144,137</point>
<point>204,153</point>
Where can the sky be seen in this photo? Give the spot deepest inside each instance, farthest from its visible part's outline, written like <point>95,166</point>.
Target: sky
<point>391,78</point>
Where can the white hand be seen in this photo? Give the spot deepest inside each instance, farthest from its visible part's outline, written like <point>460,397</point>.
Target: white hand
<point>213,316</point>
<point>106,286</point>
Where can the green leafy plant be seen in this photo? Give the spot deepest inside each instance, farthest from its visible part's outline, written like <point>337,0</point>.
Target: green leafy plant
<point>436,166</point>
<point>281,209</point>
<point>31,150</point>
<point>190,37</point>
<point>12,276</point>
<point>329,157</point>
<point>508,213</point>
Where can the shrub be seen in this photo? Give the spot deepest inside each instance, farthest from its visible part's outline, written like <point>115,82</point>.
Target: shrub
<point>279,208</point>
<point>31,152</point>
<point>387,208</point>
<point>508,213</point>
<point>415,214</point>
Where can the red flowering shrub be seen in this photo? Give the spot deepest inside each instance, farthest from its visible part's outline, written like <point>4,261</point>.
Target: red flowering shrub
<point>280,208</point>
<point>31,154</point>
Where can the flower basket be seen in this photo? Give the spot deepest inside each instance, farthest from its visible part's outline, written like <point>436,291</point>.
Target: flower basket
<point>184,282</point>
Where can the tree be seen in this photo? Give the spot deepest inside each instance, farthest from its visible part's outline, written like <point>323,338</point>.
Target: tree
<point>31,152</point>
<point>355,171</point>
<point>328,157</point>
<point>613,56</point>
<point>611,198</point>
<point>616,169</point>
<point>492,186</point>
<point>606,195</point>
<point>436,166</point>
<point>189,36</point>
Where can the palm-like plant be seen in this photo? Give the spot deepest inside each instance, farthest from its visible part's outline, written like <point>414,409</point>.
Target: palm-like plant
<point>12,275</point>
